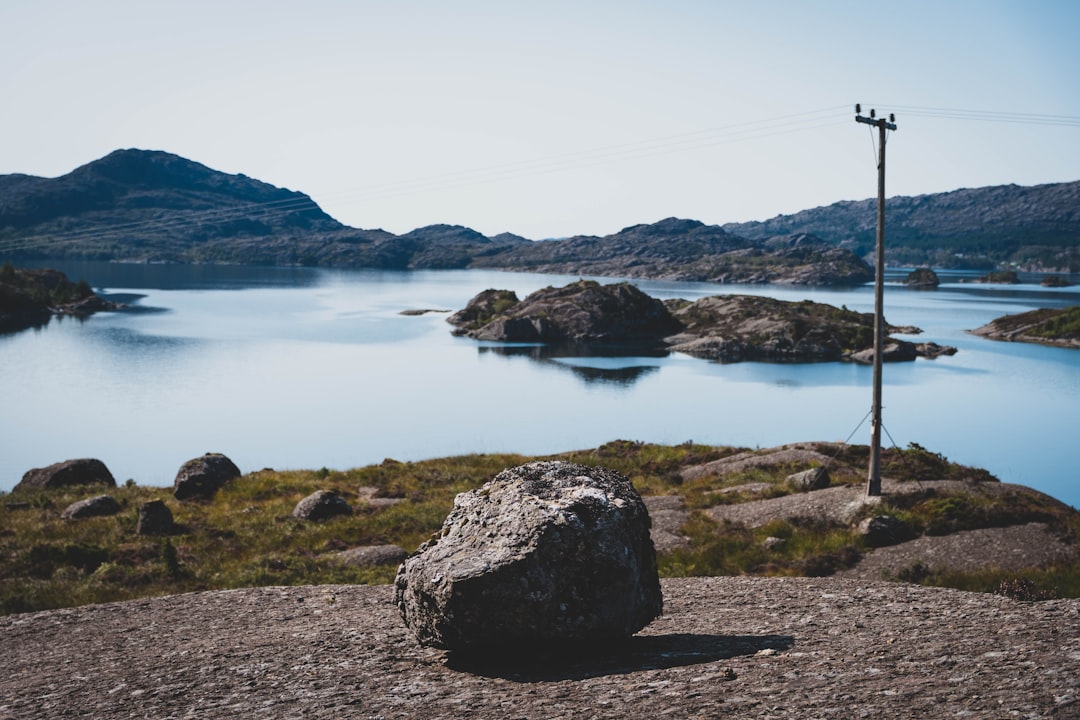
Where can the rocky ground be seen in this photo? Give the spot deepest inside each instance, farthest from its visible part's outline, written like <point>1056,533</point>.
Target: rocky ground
<point>731,646</point>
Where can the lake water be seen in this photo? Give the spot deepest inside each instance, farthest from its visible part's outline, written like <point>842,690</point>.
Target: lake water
<point>302,368</point>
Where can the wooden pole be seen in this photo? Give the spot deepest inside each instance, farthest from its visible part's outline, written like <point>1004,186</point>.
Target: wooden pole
<point>873,477</point>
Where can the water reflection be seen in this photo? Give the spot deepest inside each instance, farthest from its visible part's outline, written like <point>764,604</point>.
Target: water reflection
<point>591,362</point>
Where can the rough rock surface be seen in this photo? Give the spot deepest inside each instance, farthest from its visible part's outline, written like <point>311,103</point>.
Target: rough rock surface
<point>97,506</point>
<point>668,514</point>
<point>155,518</point>
<point>322,505</point>
<point>83,471</point>
<point>584,311</point>
<point>735,647</point>
<point>794,454</point>
<point>201,477</point>
<point>368,555</point>
<point>1012,548</point>
<point>547,553</point>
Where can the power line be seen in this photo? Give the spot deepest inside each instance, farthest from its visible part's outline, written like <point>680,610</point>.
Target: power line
<point>988,116</point>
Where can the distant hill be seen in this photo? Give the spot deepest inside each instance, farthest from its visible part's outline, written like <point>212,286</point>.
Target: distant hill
<point>152,206</point>
<point>1035,228</point>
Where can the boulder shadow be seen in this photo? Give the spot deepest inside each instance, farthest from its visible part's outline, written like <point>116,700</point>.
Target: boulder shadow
<point>644,652</point>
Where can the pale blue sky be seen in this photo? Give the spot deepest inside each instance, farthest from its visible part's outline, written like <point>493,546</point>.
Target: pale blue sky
<point>548,118</point>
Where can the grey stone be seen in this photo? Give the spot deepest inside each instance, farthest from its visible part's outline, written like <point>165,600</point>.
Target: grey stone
<point>773,543</point>
<point>98,506</point>
<point>882,530</point>
<point>369,555</point>
<point>201,477</point>
<point>546,554</point>
<point>322,505</point>
<point>155,518</point>
<point>812,479</point>
<point>84,471</point>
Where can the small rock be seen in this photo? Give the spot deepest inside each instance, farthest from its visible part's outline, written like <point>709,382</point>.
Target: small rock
<point>548,553</point>
<point>98,506</point>
<point>322,505</point>
<point>773,543</point>
<point>812,479</point>
<point>202,477</point>
<point>84,471</point>
<point>155,518</point>
<point>882,530</point>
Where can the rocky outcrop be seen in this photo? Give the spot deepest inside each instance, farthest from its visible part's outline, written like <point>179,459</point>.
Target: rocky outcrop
<point>548,553</point>
<point>1059,327</point>
<point>84,471</point>
<point>373,555</point>
<point>155,518</point>
<point>201,477</point>
<point>733,328</point>
<point>585,311</point>
<point>728,328</point>
<point>322,505</point>
<point>922,278</point>
<point>815,478</point>
<point>31,297</point>
<point>98,506</point>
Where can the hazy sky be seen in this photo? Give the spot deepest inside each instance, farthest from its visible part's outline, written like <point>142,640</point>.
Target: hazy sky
<point>550,118</point>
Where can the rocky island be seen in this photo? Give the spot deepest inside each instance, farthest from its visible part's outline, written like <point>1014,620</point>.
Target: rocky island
<point>30,298</point>
<point>727,328</point>
<point>1045,326</point>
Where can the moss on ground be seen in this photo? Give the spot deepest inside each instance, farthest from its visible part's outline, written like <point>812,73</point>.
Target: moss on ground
<point>246,536</point>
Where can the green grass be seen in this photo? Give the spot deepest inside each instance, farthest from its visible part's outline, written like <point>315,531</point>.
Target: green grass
<point>246,536</point>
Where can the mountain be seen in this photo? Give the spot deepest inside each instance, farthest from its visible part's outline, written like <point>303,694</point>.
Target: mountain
<point>148,205</point>
<point>1034,228</point>
<point>152,206</point>
<point>679,249</point>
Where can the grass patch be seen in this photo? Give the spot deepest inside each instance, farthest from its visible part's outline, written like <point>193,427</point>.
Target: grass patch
<point>246,536</point>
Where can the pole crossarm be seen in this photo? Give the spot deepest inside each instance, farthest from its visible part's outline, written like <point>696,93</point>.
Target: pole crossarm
<point>876,122</point>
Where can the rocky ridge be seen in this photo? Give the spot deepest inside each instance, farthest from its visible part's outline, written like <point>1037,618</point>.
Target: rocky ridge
<point>1046,326</point>
<point>1033,227</point>
<point>151,206</point>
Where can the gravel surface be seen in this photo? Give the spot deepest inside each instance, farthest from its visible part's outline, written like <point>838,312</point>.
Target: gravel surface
<point>725,647</point>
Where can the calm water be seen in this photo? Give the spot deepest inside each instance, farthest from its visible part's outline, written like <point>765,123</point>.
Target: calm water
<point>300,368</point>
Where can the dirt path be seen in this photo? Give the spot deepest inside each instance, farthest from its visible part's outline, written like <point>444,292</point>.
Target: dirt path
<point>732,647</point>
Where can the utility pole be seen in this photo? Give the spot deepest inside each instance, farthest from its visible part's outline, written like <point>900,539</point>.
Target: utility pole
<point>873,478</point>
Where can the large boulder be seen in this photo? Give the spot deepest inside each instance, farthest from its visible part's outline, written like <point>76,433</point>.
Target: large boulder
<point>98,506</point>
<point>84,471</point>
<point>201,477</point>
<point>882,530</point>
<point>155,518</point>
<point>546,554</point>
<point>322,505</point>
<point>815,478</point>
